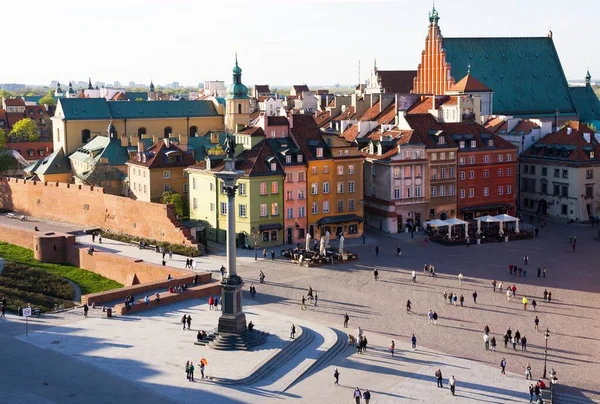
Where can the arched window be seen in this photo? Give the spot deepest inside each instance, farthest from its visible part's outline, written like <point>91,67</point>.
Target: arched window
<point>193,131</point>
<point>167,132</point>
<point>239,108</point>
<point>141,131</point>
<point>85,136</point>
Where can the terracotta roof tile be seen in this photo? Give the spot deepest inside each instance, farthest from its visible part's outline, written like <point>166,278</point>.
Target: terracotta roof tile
<point>388,115</point>
<point>14,102</point>
<point>469,84</point>
<point>277,121</point>
<point>157,157</point>
<point>371,113</point>
<point>349,113</point>
<point>252,131</point>
<point>568,145</point>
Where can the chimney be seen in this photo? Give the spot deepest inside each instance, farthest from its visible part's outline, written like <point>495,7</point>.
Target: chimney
<point>140,147</point>
<point>124,140</point>
<point>134,140</point>
<point>167,142</point>
<point>569,130</point>
<point>154,139</point>
<point>433,102</point>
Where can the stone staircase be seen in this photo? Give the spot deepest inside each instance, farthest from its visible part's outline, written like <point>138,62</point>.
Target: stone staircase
<point>239,342</point>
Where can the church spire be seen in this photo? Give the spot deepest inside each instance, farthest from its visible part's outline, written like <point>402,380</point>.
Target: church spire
<point>90,87</point>
<point>433,15</point>
<point>151,86</point>
<point>588,78</point>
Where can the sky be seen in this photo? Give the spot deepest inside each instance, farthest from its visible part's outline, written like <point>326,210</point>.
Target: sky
<point>279,42</point>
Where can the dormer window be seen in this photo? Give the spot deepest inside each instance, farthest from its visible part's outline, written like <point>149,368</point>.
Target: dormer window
<point>299,158</point>
<point>273,133</point>
<point>441,140</point>
<point>591,154</point>
<point>319,152</point>
<point>288,159</point>
<point>491,143</point>
<point>379,149</point>
<point>273,166</point>
<point>473,143</point>
<point>461,144</point>
<point>371,150</point>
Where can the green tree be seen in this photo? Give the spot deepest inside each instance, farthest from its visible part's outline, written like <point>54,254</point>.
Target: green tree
<point>6,159</point>
<point>175,199</point>
<point>47,99</point>
<point>26,130</point>
<point>5,94</point>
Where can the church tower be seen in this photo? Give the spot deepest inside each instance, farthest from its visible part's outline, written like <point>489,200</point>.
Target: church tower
<point>237,115</point>
<point>151,93</point>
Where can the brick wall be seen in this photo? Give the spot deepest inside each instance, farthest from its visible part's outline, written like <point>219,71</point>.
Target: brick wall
<point>17,236</point>
<point>91,207</point>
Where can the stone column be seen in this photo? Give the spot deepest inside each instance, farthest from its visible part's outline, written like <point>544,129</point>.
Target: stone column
<point>232,320</point>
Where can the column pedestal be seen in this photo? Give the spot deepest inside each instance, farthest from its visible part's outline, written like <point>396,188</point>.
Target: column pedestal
<point>232,320</point>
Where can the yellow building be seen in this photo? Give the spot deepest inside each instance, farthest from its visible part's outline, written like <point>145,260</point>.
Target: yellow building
<point>77,120</point>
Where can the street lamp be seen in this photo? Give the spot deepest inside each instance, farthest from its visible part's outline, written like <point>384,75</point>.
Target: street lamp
<point>255,238</point>
<point>546,336</point>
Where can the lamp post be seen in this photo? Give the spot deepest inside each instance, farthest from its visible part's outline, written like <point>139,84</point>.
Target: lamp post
<point>546,336</point>
<point>255,238</point>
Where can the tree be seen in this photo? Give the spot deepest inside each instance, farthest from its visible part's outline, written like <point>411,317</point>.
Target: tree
<point>26,130</point>
<point>175,199</point>
<point>47,99</point>
<point>5,94</point>
<point>7,161</point>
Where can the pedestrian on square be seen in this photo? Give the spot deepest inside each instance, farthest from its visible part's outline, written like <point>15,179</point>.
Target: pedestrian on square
<point>544,272</point>
<point>455,298</point>
<point>375,274</point>
<point>533,304</point>
<point>93,237</point>
<point>100,238</point>
<point>549,297</point>
<point>414,342</point>
<point>414,276</point>
<point>346,319</point>
<point>430,317</point>
<point>86,308</point>
<point>336,376</point>
<point>545,294</point>
<point>439,378</point>
<point>523,343</point>
<point>425,269</point>
<point>222,271</point>
<point>475,297</point>
<point>503,366</point>
<point>184,320</point>
<point>494,285</point>
<point>272,255</point>
<point>506,338</point>
<point>537,392</point>
<point>460,278</point>
<point>509,332</point>
<point>518,336</point>
<point>500,287</point>
<point>392,347</point>
<point>514,290</point>
<point>3,311</point>
<point>398,251</point>
<point>531,390</point>
<point>364,344</point>
<point>536,323</point>
<point>164,263</point>
<point>486,341</point>
<point>357,395</point>
<point>189,321</point>
<point>520,270</point>
<point>408,306</point>
<point>452,384</point>
<point>435,318</point>
<point>445,295</point>
<point>524,273</point>
<point>191,372</point>
<point>316,299</point>
<point>493,343</point>
<point>539,271</point>
<point>525,302</point>
<point>486,329</point>
<point>164,252</point>
<point>303,303</point>
<point>514,343</point>
<point>293,331</point>
<point>367,396</point>
<point>264,253</point>
<point>202,369</point>
<point>170,255</point>
<point>462,300</point>
<point>187,370</point>
<point>525,260</point>
<point>377,251</point>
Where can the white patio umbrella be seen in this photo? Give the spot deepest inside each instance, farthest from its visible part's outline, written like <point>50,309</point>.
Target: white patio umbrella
<point>454,221</point>
<point>327,235</point>
<point>486,219</point>
<point>322,247</point>
<point>341,244</point>
<point>505,218</point>
<point>436,223</point>
<point>307,241</point>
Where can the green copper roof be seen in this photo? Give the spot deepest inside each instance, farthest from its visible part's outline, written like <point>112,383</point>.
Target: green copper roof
<point>55,163</point>
<point>137,95</point>
<point>237,89</point>
<point>586,102</point>
<point>99,108</point>
<point>524,73</point>
<point>102,147</point>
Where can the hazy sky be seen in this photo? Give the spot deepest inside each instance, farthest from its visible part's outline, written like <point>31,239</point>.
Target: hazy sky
<point>278,41</point>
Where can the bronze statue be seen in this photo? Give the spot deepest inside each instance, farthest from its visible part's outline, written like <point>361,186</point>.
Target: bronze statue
<point>230,145</point>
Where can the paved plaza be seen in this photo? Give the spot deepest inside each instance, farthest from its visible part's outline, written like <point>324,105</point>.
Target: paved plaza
<point>455,344</point>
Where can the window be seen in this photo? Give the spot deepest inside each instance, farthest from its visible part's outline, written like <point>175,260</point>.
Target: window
<point>351,169</point>
<point>340,187</point>
<point>289,195</point>
<point>500,172</point>
<point>195,203</point>
<point>263,209</point>
<point>486,191</point>
<point>544,171</point>
<point>434,173</point>
<point>451,155</point>
<point>350,186</point>
<point>442,173</point>
<point>461,175</point>
<point>273,166</point>
<point>471,174</point>
<point>441,140</point>
<point>442,156</point>
<point>565,174</point>
<point>185,188</point>
<point>314,208</point>
<point>223,208</point>
<point>166,174</point>
<point>564,191</point>
<point>486,159</point>
<point>273,133</point>
<point>340,170</point>
<point>325,169</point>
<point>212,207</point>
<point>290,213</point>
<point>314,170</point>
<point>451,190</point>
<point>266,236</point>
<point>242,188</point>
<point>589,174</point>
<point>433,156</point>
<point>544,188</point>
<point>563,209</point>
<point>442,190</point>
<point>462,193</point>
<point>300,194</point>
<point>407,171</point>
<point>508,172</point>
<point>263,188</point>
<point>532,170</point>
<point>417,191</point>
<point>461,144</point>
<point>325,206</point>
<point>508,190</point>
<point>417,171</point>
<point>509,157</point>
<point>274,235</point>
<point>242,210</point>
<point>473,143</point>
<point>314,188</point>
<point>194,183</point>
<point>407,193</point>
<point>556,173</point>
<point>461,161</point>
<point>166,188</point>
<point>325,187</point>
<point>299,158</point>
<point>274,187</point>
<point>451,172</point>
<point>396,193</point>
<point>433,192</point>
<point>274,209</point>
<point>500,190</point>
<point>301,211</point>
<point>589,191</point>
<point>471,160</point>
<point>471,192</point>
<point>211,187</point>
<point>486,173</point>
<point>350,205</point>
<point>340,206</point>
<point>301,176</point>
<point>556,190</point>
<point>319,152</point>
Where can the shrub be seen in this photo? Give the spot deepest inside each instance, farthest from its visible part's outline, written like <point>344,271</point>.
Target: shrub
<point>176,248</point>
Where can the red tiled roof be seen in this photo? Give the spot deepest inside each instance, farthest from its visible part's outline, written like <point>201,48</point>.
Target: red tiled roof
<point>350,133</point>
<point>371,113</point>
<point>495,124</point>
<point>388,115</point>
<point>119,96</point>
<point>469,84</point>
<point>262,88</point>
<point>397,81</point>
<point>300,88</point>
<point>332,103</point>
<point>423,105</point>
<point>24,147</point>
<point>254,115</point>
<point>526,126</point>
<point>305,129</point>
<point>322,118</point>
<point>157,157</point>
<point>349,113</point>
<point>14,102</point>
<point>252,131</point>
<point>277,121</point>
<point>14,117</point>
<point>551,145</point>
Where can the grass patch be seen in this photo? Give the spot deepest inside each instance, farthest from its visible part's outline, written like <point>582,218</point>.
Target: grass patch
<point>89,282</point>
<point>176,248</point>
<point>21,285</point>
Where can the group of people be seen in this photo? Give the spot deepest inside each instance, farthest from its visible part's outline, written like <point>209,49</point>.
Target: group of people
<point>186,320</point>
<point>201,335</point>
<point>252,290</point>
<point>429,270</point>
<point>129,301</point>
<point>537,390</point>
<point>213,302</point>
<point>189,263</point>
<point>178,288</point>
<point>312,296</point>
<point>189,370</point>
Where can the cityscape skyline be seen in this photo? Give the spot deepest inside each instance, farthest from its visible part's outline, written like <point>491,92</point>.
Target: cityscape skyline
<point>271,52</point>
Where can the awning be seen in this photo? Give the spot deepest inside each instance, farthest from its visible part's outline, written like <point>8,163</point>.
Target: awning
<point>339,219</point>
<point>270,226</point>
<point>480,208</point>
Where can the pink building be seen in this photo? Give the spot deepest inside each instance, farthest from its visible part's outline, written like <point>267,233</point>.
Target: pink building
<point>275,127</point>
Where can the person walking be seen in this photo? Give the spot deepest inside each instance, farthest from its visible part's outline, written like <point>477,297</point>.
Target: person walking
<point>544,272</point>
<point>525,301</point>
<point>86,308</point>
<point>272,255</point>
<point>536,323</point>
<point>486,329</point>
<point>503,366</point>
<point>539,272</point>
<point>462,300</point>
<point>486,341</point>
<point>523,343</point>
<point>494,285</point>
<point>506,338</point>
<point>500,287</point>
<point>475,297</point>
<point>430,317</point>
<point>414,342</point>
<point>460,278</point>
<point>549,297</point>
<point>508,293</point>
<point>100,238</point>
<point>202,369</point>
<point>377,251</point>
<point>438,377</point>
<point>184,320</point>
<point>408,306</point>
<point>528,372</point>
<point>170,255</point>
<point>398,251</point>
<point>518,336</point>
<point>531,390</point>
<point>357,395</point>
<point>514,343</point>
<point>414,276</point>
<point>189,322</point>
<point>435,318</point>
<point>346,319</point>
<point>375,274</point>
<point>264,253</point>
<point>367,396</point>
<point>303,303</point>
<point>493,343</point>
<point>187,370</point>
<point>533,304</point>
<point>336,376</point>
<point>452,384</point>
<point>545,294</point>
<point>537,392</point>
<point>392,347</point>
<point>293,331</point>
<point>316,299</point>
<point>191,378</point>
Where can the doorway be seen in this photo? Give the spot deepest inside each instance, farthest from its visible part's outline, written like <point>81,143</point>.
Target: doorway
<point>289,235</point>
<point>311,231</point>
<point>443,216</point>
